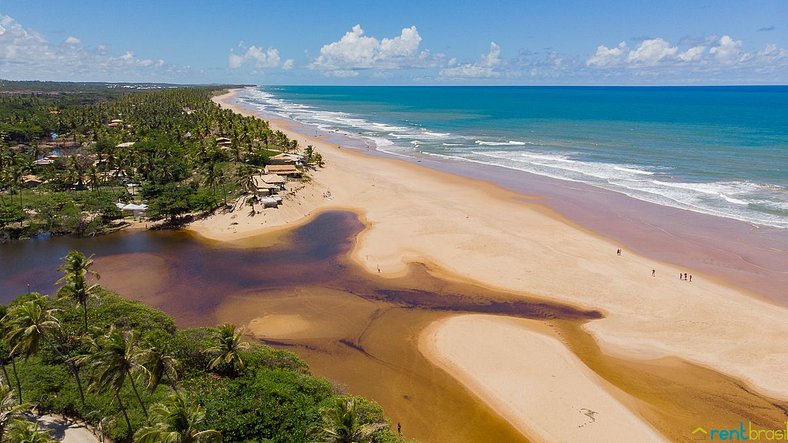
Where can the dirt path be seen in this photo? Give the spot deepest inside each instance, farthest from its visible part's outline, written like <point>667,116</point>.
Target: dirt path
<point>67,430</point>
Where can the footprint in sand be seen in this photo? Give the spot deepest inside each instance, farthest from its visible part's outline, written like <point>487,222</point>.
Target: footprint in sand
<point>590,414</point>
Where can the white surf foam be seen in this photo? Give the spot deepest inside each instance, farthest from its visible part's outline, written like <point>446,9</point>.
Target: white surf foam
<point>727,199</point>
<point>508,143</point>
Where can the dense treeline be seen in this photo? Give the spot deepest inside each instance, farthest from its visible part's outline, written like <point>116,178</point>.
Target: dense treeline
<point>67,158</point>
<point>127,370</point>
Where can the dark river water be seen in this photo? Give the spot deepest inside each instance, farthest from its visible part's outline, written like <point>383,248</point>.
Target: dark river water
<point>188,277</point>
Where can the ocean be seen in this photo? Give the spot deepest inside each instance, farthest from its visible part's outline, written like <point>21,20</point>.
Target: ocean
<point>715,150</point>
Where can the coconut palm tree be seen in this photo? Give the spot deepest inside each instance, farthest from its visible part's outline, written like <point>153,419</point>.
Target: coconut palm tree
<point>9,411</point>
<point>159,365</point>
<point>75,268</point>
<point>23,431</point>
<point>176,421</point>
<point>27,325</point>
<point>4,358</point>
<point>5,351</point>
<point>342,424</point>
<point>116,358</point>
<point>31,324</point>
<point>228,352</point>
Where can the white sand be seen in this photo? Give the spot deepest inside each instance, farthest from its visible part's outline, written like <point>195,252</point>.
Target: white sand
<point>530,378</point>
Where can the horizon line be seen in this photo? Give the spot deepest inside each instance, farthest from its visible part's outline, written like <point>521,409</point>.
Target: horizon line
<point>546,85</point>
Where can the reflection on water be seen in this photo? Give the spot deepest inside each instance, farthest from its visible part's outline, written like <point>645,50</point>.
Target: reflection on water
<point>196,276</point>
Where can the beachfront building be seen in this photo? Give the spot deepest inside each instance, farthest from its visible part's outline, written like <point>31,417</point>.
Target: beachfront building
<point>133,209</point>
<point>31,181</point>
<point>224,142</point>
<point>284,170</point>
<point>260,187</point>
<point>270,201</point>
<point>125,145</point>
<point>286,159</point>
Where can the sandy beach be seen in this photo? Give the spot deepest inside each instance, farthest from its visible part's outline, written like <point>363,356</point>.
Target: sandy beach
<point>501,239</point>
<point>572,406</point>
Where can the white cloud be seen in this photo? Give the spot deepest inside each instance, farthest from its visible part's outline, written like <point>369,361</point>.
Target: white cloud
<point>356,51</point>
<point>18,44</point>
<point>341,73</point>
<point>405,45</point>
<point>772,53</point>
<point>729,51</point>
<point>129,59</point>
<point>26,54</point>
<point>652,51</point>
<point>657,52</point>
<point>608,56</point>
<point>487,67</point>
<point>692,54</point>
<point>288,64</point>
<point>235,61</point>
<point>259,57</point>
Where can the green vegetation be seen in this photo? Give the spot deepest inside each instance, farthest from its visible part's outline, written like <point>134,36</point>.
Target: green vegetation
<point>69,152</point>
<point>145,380</point>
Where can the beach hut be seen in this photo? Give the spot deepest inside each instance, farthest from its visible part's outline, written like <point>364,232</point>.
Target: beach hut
<point>285,170</point>
<point>125,145</point>
<point>43,162</point>
<point>260,188</point>
<point>273,179</point>
<point>269,201</point>
<point>133,209</point>
<point>224,142</point>
<point>286,159</point>
<point>31,181</point>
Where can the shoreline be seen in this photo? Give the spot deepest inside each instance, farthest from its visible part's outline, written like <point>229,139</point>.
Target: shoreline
<point>750,257</point>
<point>422,215</point>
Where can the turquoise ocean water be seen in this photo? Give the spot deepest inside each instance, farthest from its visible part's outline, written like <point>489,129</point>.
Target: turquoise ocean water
<point>716,150</point>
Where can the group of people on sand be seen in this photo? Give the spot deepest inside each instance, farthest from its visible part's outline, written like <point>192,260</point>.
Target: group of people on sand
<point>683,276</point>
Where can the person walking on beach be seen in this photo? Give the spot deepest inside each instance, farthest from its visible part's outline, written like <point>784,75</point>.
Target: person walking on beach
<point>399,428</point>
<point>690,277</point>
<point>653,272</point>
<point>618,251</point>
<point>681,276</point>
<point>685,276</point>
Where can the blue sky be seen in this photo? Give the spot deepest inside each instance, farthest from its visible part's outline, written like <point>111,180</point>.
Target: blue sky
<point>401,42</point>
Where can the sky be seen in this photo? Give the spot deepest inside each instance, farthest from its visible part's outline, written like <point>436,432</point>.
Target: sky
<point>403,42</point>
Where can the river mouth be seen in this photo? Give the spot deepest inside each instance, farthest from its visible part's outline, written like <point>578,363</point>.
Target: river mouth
<point>299,290</point>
